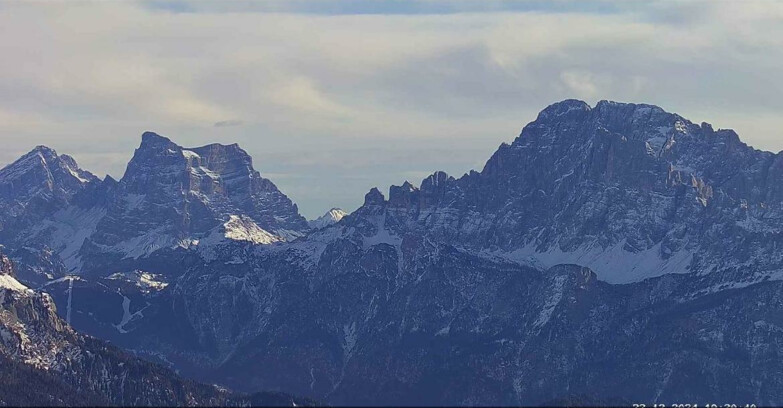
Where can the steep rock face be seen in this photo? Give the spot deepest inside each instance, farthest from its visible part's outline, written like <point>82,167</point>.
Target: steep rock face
<point>171,196</point>
<point>5,266</point>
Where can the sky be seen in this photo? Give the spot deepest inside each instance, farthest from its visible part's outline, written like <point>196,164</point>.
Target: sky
<point>332,98</point>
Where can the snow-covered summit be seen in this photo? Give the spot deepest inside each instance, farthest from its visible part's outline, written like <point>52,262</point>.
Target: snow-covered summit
<point>331,217</point>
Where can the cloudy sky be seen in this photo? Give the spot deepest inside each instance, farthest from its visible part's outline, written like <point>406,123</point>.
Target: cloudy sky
<point>334,97</point>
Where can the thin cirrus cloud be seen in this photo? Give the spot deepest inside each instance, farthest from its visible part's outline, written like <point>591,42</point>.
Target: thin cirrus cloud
<point>230,122</point>
<point>335,97</point>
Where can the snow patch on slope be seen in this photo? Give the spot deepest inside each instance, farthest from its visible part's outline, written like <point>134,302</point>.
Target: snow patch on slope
<point>241,228</point>
<point>145,281</point>
<point>612,265</point>
<point>237,228</point>
<point>146,244</point>
<point>382,235</point>
<point>551,303</point>
<point>67,231</point>
<point>127,316</point>
<point>10,283</point>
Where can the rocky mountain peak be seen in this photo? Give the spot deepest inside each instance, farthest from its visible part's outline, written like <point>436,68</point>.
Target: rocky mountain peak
<point>43,167</point>
<point>642,134</point>
<point>435,180</point>
<point>149,139</point>
<point>569,108</point>
<point>573,121</point>
<point>174,196</point>
<point>158,161</point>
<point>38,184</point>
<point>43,150</point>
<point>433,188</point>
<point>374,198</point>
<point>402,196</point>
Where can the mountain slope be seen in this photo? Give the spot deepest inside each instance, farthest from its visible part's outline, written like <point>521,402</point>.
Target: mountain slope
<point>37,183</point>
<point>23,385</point>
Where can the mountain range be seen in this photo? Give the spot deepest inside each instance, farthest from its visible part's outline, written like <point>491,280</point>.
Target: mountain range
<point>610,254</point>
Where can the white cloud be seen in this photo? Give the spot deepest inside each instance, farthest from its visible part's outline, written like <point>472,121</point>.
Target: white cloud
<point>301,95</point>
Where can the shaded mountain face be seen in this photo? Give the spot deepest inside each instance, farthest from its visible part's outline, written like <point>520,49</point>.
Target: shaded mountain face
<point>61,220</point>
<point>173,197</point>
